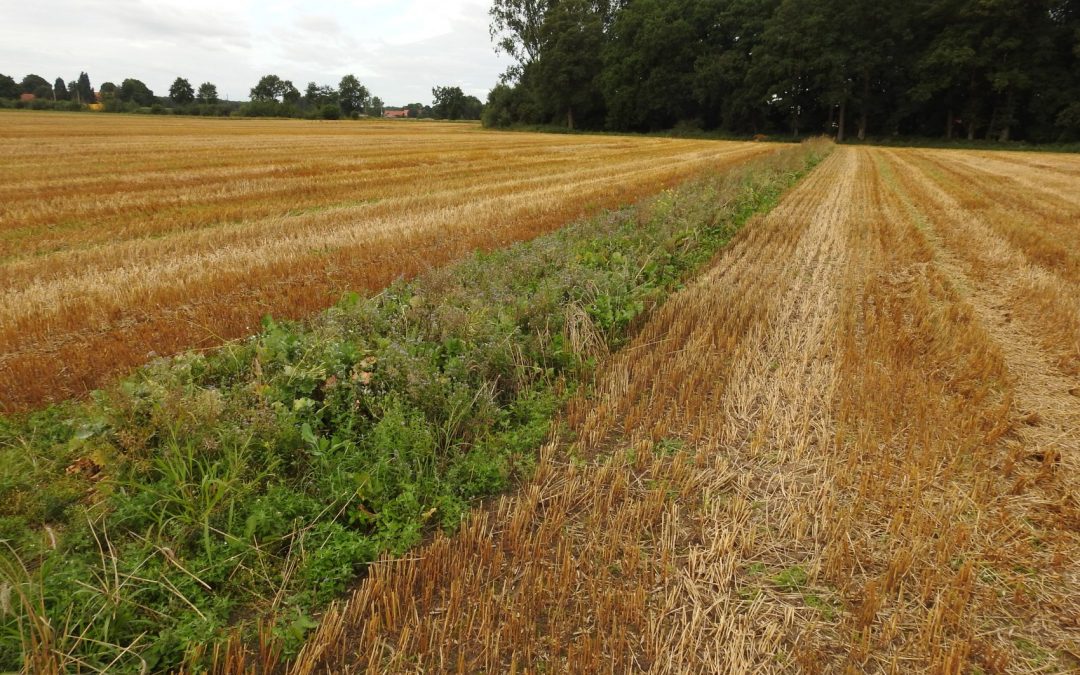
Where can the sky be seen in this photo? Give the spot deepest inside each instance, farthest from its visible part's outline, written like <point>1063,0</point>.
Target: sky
<point>399,49</point>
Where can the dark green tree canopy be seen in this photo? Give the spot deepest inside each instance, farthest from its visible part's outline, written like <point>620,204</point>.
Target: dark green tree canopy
<point>9,88</point>
<point>353,96</point>
<point>32,84</point>
<point>181,92</point>
<point>289,93</point>
<point>318,96</point>
<point>451,103</point>
<point>996,69</point>
<point>60,90</point>
<point>207,93</point>
<point>83,90</point>
<point>135,91</point>
<point>268,89</point>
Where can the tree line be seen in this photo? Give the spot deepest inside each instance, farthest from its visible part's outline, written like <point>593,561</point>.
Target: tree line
<point>271,96</point>
<point>129,96</point>
<point>996,69</point>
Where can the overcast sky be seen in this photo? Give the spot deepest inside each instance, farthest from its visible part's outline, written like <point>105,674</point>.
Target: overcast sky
<point>399,49</point>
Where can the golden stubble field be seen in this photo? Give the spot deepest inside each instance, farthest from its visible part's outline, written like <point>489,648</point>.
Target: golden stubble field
<point>126,237</point>
<point>853,445</point>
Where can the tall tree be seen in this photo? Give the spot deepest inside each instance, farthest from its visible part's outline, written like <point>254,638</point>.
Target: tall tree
<point>317,96</point>
<point>33,84</point>
<point>207,93</point>
<point>1002,68</point>
<point>135,91</point>
<point>517,29</point>
<point>648,77</point>
<point>85,91</point>
<point>354,97</point>
<point>726,93</point>
<point>60,90</point>
<point>269,89</point>
<point>181,92</point>
<point>448,103</point>
<point>289,93</point>
<point>569,66</point>
<point>9,88</point>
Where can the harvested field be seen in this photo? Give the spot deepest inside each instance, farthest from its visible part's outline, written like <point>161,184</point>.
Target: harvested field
<point>125,237</point>
<point>851,445</point>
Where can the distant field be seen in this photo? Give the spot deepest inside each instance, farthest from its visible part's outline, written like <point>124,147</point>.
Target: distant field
<point>125,237</point>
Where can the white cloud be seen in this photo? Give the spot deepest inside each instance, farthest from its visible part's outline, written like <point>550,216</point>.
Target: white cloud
<point>399,49</point>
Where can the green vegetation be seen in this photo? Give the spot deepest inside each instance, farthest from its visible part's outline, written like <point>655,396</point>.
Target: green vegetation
<point>791,579</point>
<point>964,68</point>
<point>209,490</point>
<point>271,96</point>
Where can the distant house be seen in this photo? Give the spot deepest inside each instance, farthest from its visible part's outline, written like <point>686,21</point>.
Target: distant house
<point>27,97</point>
<point>396,114</point>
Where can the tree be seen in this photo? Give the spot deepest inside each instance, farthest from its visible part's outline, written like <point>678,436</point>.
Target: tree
<point>181,92</point>
<point>60,90</point>
<point>107,90</point>
<point>448,103</point>
<point>269,89</point>
<point>207,93</point>
<point>516,28</point>
<point>451,103</point>
<point>501,108</point>
<point>648,65</point>
<point>33,84</point>
<point>9,88</point>
<point>376,108</point>
<point>354,96</point>
<point>572,39</point>
<point>273,89</point>
<point>135,91</point>
<point>1003,68</point>
<point>318,96</point>
<point>289,93</point>
<point>85,91</point>
<point>726,95</point>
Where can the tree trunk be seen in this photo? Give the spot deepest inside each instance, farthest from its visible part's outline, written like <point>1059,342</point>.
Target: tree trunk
<point>840,127</point>
<point>971,130</point>
<point>828,125</point>
<point>949,122</point>
<point>863,115</point>
<point>1007,117</point>
<point>570,118</point>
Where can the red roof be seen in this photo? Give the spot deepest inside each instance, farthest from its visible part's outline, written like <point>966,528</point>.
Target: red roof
<point>395,113</point>
<point>27,97</point>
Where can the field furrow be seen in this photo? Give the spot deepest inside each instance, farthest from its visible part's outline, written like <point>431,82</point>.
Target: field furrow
<point>1013,251</point>
<point>851,444</point>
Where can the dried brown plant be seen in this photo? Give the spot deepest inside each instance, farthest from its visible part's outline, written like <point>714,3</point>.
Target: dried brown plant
<point>122,238</point>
